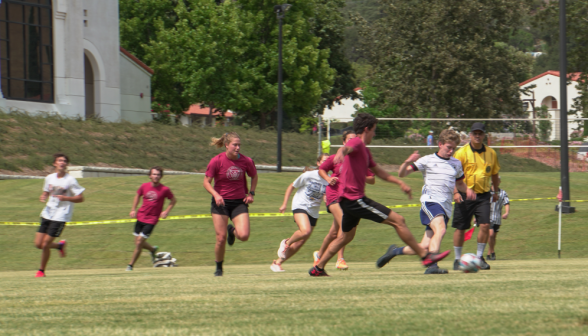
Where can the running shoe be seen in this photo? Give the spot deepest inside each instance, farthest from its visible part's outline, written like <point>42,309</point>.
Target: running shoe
<point>40,274</point>
<point>432,258</point>
<point>316,258</point>
<point>491,256</point>
<point>484,265</point>
<point>456,265</point>
<point>231,236</point>
<point>341,264</point>
<point>276,268</point>
<point>316,272</point>
<point>129,268</point>
<point>61,248</point>
<point>218,272</point>
<point>434,269</point>
<point>383,260</point>
<point>154,253</point>
<point>283,248</point>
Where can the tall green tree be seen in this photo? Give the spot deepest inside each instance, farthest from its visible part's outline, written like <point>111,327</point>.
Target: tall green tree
<point>447,58</point>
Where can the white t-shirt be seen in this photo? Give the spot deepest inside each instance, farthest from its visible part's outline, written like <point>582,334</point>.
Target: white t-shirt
<point>311,189</point>
<point>440,175</point>
<point>66,186</point>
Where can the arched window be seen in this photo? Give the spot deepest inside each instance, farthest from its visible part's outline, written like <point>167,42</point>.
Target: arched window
<point>550,102</point>
<point>26,50</point>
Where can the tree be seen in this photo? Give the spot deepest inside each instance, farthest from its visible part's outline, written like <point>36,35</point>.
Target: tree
<point>447,58</point>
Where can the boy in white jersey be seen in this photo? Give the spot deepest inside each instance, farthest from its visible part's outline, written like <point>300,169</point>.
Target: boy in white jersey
<point>60,191</point>
<point>496,218</point>
<point>441,173</point>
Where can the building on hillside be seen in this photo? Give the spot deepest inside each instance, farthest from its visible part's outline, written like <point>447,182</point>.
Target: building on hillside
<point>64,56</point>
<point>546,93</point>
<point>198,113</point>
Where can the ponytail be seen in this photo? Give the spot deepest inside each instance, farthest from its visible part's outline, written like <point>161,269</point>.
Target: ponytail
<point>223,140</point>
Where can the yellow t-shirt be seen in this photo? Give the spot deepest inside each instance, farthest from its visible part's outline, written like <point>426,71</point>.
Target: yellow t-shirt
<point>478,167</point>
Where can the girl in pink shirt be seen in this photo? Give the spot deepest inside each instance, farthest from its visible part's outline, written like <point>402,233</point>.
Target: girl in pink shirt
<point>230,196</point>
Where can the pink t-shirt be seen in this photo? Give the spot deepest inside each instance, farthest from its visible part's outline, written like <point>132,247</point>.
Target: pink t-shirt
<point>153,199</point>
<point>354,170</point>
<point>229,175</point>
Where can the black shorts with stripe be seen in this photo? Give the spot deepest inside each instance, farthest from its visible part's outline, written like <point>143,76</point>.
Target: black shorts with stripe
<point>363,208</point>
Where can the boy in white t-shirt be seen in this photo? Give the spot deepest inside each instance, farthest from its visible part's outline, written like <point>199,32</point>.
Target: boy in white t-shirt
<point>60,191</point>
<point>305,206</point>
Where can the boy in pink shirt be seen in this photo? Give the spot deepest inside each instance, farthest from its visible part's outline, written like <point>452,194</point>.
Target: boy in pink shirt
<point>154,195</point>
<point>357,160</point>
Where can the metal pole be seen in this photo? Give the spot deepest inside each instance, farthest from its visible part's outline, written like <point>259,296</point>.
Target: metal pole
<point>563,110</point>
<point>1,96</point>
<point>559,233</point>
<point>280,112</point>
<point>320,136</point>
<point>329,129</point>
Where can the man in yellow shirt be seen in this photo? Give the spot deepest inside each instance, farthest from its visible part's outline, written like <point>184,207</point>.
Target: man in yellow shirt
<point>480,166</point>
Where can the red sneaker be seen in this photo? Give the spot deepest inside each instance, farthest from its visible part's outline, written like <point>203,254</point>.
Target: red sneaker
<point>40,274</point>
<point>432,258</point>
<point>62,244</point>
<point>316,272</point>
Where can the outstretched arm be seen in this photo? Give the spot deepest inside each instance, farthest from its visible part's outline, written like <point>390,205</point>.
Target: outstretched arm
<point>287,197</point>
<point>341,153</point>
<point>381,173</point>
<point>406,166</point>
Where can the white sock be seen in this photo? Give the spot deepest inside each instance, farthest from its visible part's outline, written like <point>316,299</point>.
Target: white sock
<point>457,250</point>
<point>481,247</point>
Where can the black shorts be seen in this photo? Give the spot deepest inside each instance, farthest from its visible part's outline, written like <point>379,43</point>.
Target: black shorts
<point>363,208</point>
<point>143,229</point>
<point>52,228</point>
<point>232,208</point>
<point>495,227</point>
<point>328,205</point>
<point>311,219</point>
<point>464,211</point>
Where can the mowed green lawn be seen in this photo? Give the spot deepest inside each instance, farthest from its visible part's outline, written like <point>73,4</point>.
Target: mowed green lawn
<point>532,297</point>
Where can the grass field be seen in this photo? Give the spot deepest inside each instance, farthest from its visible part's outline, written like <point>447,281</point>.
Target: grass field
<point>528,290</point>
<point>533,297</point>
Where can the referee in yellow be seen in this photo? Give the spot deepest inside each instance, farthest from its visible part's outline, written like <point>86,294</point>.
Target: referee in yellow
<point>480,166</point>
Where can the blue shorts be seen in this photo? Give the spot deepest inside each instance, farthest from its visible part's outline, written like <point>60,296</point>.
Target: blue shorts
<point>430,210</point>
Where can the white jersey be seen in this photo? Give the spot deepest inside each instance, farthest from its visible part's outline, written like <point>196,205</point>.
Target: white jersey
<point>311,189</point>
<point>66,186</point>
<point>496,207</point>
<point>440,175</point>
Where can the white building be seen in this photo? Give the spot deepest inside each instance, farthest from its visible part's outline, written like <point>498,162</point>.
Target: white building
<point>64,56</point>
<point>343,109</point>
<point>546,93</point>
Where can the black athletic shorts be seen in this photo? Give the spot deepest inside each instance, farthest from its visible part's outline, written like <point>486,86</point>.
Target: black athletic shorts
<point>363,208</point>
<point>143,229</point>
<point>232,208</point>
<point>328,205</point>
<point>495,227</point>
<point>311,219</point>
<point>52,228</point>
<point>464,211</point>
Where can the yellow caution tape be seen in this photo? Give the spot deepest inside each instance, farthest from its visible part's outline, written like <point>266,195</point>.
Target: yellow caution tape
<point>267,215</point>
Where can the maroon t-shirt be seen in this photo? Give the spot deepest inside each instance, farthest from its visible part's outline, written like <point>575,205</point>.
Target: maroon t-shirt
<point>153,199</point>
<point>229,175</point>
<point>354,170</point>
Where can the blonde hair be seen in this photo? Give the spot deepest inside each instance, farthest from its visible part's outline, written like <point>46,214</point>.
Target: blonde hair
<point>224,140</point>
<point>449,135</point>
<point>318,159</point>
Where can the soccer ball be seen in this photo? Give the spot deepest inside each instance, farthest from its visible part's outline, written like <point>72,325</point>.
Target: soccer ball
<point>470,263</point>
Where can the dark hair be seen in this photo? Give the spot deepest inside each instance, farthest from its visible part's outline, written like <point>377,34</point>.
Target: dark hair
<point>58,155</point>
<point>362,121</point>
<point>158,168</point>
<point>346,133</point>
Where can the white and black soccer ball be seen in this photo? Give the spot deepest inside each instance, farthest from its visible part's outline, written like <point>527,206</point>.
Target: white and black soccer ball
<point>470,263</point>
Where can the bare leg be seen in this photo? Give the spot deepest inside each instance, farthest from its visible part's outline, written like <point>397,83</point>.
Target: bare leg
<point>484,233</point>
<point>397,222</point>
<point>220,227</point>
<point>438,226</point>
<point>140,244</point>
<point>242,229</point>
<point>299,237</point>
<point>343,239</point>
<point>334,230</point>
<point>47,245</point>
<point>492,241</point>
<point>424,243</point>
<point>458,238</point>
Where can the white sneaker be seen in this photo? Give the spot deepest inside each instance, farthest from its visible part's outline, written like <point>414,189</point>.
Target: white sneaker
<point>283,248</point>
<point>276,268</point>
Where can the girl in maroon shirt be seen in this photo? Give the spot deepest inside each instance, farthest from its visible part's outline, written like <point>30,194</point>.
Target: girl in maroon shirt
<point>230,196</point>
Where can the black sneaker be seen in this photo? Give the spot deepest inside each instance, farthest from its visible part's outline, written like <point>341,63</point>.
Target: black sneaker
<point>456,265</point>
<point>484,265</point>
<point>316,272</point>
<point>231,237</point>
<point>219,272</point>
<point>383,260</point>
<point>492,257</point>
<point>154,254</point>
<point>432,258</point>
<point>434,269</point>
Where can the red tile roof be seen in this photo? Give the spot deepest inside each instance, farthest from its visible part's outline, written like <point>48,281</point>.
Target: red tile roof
<point>572,76</point>
<point>199,109</point>
<point>136,60</point>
